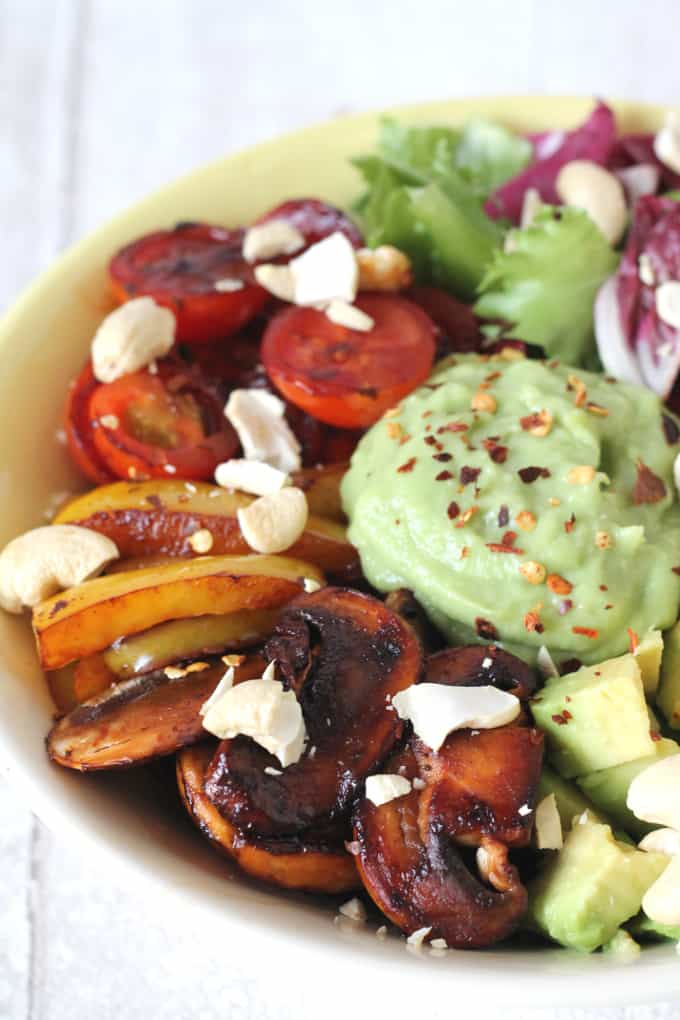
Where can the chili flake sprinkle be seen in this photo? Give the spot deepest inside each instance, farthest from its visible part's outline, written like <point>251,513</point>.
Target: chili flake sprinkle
<point>483,401</point>
<point>501,547</point>
<point>559,585</point>
<point>598,409</point>
<point>577,385</point>
<point>533,572</point>
<point>394,430</point>
<point>562,718</point>
<point>525,520</point>
<point>453,510</point>
<point>469,474</point>
<point>497,452</point>
<point>503,516</point>
<point>532,622</point>
<point>530,474</point>
<point>407,466</point>
<point>453,426</point>
<point>633,641</point>
<point>569,525</point>
<point>582,474</point>
<point>649,488</point>
<point>537,424</point>
<point>430,440</point>
<point>603,540</point>
<point>589,632</point>
<point>565,606</point>
<point>485,629</point>
<point>443,476</point>
<point>466,516</point>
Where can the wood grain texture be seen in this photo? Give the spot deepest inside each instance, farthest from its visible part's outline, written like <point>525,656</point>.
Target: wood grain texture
<point>101,101</point>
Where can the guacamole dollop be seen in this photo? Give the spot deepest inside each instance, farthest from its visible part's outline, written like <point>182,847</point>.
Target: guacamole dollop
<point>523,502</point>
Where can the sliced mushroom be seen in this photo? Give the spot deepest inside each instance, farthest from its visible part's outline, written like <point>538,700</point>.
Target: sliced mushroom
<point>345,655</point>
<point>404,602</point>
<point>479,790</point>
<point>312,865</point>
<point>138,719</point>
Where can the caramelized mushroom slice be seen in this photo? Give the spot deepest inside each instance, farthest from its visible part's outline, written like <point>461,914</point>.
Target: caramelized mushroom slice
<point>138,719</point>
<point>294,863</point>
<point>345,655</point>
<point>478,790</point>
<point>404,602</point>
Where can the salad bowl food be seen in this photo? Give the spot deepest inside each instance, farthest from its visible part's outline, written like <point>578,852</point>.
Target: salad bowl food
<point>390,731</point>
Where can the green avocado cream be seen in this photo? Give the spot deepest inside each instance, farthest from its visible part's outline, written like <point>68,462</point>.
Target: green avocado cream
<point>525,502</point>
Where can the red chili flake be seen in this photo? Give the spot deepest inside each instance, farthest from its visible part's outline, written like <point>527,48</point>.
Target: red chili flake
<point>499,547</point>
<point>654,735</point>
<point>453,426</point>
<point>509,538</point>
<point>569,525</point>
<point>670,429</point>
<point>436,385</point>
<point>603,587</point>
<point>565,606</point>
<point>492,376</point>
<point>567,698</point>
<point>443,476</point>
<point>426,414</point>
<point>469,474</point>
<point>430,440</point>
<point>466,516</point>
<point>464,552</point>
<point>504,517</point>
<point>453,510</point>
<point>633,641</point>
<point>589,632</point>
<point>530,474</point>
<point>532,622</point>
<point>397,521</point>
<point>408,466</point>
<point>562,718</point>
<point>610,605</point>
<point>485,629</point>
<point>649,488</point>
<point>428,428</point>
<point>497,453</point>
<point>444,457</point>
<point>570,666</point>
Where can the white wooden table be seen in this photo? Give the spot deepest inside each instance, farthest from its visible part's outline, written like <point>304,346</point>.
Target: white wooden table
<point>101,101</point>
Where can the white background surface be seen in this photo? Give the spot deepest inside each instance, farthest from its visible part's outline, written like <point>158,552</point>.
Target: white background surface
<point>101,101</point>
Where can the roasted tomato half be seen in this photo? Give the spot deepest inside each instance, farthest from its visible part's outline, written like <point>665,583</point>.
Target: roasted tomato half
<point>315,220</point>
<point>343,376</point>
<point>149,426</point>
<point>198,272</point>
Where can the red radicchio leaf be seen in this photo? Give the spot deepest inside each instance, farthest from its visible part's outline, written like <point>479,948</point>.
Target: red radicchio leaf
<point>633,150</point>
<point>594,141</point>
<point>655,233</point>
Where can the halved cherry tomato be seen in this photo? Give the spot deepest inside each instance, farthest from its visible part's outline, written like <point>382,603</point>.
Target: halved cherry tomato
<point>459,327</point>
<point>179,269</point>
<point>315,220</point>
<point>156,426</point>
<point>79,428</point>
<point>343,376</point>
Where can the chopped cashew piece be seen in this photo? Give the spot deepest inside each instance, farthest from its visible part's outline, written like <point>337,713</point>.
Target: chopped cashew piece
<point>436,710</point>
<point>225,684</point>
<point>661,841</point>
<point>667,142</point>
<point>310,585</point>
<point>588,186</point>
<point>263,710</point>
<point>272,238</point>
<point>546,663</point>
<point>130,338</point>
<point>343,314</point>
<point>661,902</point>
<point>417,937</point>
<point>328,270</point>
<point>548,826</point>
<point>353,909</point>
<point>654,794</point>
<point>252,476</point>
<point>667,300</point>
<point>201,541</point>
<point>381,789</point>
<point>274,523</point>
<point>258,418</point>
<point>228,285</point>
<point>384,268</point>
<point>46,560</point>
<point>278,280</point>
<point>531,207</point>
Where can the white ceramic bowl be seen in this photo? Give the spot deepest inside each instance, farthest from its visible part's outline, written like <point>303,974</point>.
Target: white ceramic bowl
<point>44,339</point>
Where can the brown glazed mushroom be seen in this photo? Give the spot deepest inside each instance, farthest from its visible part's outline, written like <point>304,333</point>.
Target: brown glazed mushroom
<point>345,655</point>
<point>478,790</point>
<point>306,863</point>
<point>138,719</point>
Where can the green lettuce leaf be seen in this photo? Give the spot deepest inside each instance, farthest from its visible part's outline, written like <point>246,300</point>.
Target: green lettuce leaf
<point>545,285</point>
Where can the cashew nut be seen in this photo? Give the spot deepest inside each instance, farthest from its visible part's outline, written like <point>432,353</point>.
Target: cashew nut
<point>273,523</point>
<point>47,560</point>
<point>588,186</point>
<point>131,337</point>
<point>271,238</point>
<point>383,268</point>
<point>667,142</point>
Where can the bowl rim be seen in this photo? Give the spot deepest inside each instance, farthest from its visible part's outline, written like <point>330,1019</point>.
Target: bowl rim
<point>567,978</point>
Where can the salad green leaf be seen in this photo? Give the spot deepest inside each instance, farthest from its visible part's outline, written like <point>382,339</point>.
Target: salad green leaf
<point>544,284</point>
<point>425,193</point>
